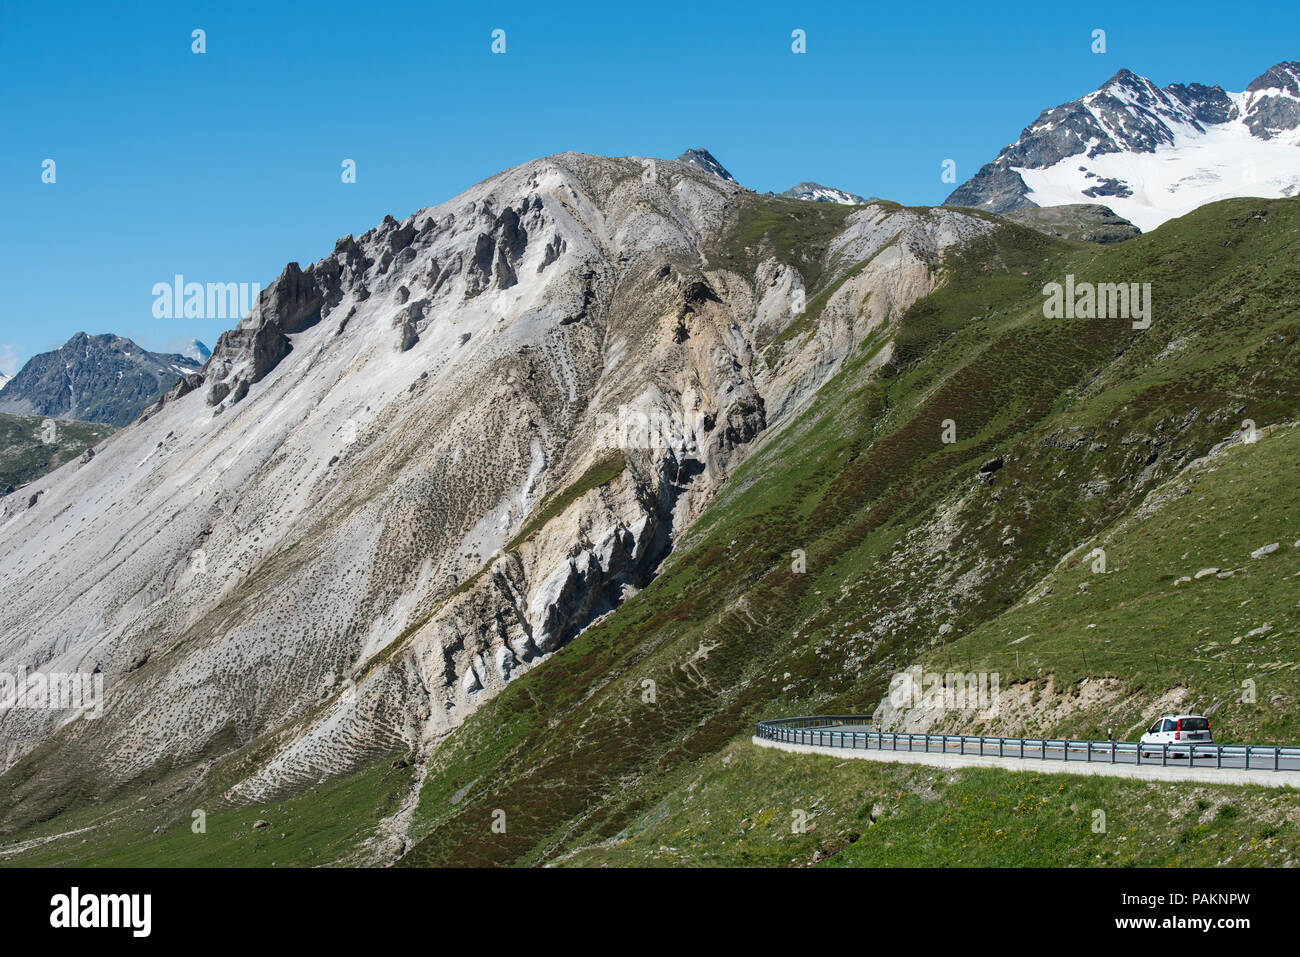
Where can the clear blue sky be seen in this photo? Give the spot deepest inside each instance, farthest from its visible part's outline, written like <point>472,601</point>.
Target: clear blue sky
<point>225,166</point>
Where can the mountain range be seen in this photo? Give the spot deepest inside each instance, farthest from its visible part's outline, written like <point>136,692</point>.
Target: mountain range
<point>530,503</point>
<point>1151,153</point>
<point>702,159</point>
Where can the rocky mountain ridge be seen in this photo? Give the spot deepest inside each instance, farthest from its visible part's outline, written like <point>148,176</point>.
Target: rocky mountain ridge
<point>1151,153</point>
<point>425,462</point>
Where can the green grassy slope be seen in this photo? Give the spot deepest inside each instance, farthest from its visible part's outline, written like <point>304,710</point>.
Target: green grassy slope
<point>154,825</point>
<point>738,809</point>
<point>25,455</point>
<point>1227,640</point>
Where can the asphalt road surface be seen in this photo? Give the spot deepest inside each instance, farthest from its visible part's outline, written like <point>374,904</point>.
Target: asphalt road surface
<point>860,737</point>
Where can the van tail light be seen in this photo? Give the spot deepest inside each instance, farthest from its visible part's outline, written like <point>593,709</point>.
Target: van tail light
<point>1178,730</point>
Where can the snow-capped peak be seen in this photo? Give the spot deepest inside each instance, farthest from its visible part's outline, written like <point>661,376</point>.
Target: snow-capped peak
<point>1151,153</point>
<point>193,349</point>
<point>817,193</point>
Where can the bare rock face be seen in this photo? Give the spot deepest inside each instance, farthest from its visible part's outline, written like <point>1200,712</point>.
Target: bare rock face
<point>409,337</point>
<point>1089,223</point>
<point>519,402</point>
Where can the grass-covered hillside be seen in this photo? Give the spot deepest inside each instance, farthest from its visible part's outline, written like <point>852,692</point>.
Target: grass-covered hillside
<point>29,447</point>
<point>751,806</point>
<point>1196,609</point>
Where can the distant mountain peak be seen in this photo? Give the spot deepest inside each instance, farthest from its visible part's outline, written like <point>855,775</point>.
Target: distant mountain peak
<point>103,378</point>
<point>1150,153</point>
<point>817,193</point>
<point>1125,77</point>
<point>809,191</point>
<point>190,348</point>
<point>703,159</point>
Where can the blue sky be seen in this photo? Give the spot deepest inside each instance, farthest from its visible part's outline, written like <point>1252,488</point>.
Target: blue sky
<point>224,166</point>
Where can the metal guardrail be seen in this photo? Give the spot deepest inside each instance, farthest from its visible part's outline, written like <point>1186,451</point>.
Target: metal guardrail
<point>853,732</point>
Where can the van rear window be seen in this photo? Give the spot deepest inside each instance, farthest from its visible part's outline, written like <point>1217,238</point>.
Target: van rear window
<point>1194,724</point>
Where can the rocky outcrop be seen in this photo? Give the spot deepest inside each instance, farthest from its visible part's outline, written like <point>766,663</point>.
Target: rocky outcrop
<point>293,303</point>
<point>995,188</point>
<point>1083,222</point>
<point>1274,102</point>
